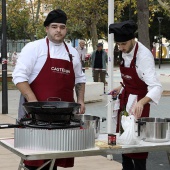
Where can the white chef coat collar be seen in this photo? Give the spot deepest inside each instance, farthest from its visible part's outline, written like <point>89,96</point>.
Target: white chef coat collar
<point>54,44</point>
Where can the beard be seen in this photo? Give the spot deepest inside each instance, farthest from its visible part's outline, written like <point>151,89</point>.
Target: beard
<point>131,45</point>
<point>57,39</point>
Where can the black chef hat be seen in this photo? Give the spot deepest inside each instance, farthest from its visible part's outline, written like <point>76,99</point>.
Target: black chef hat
<point>57,16</point>
<point>123,31</point>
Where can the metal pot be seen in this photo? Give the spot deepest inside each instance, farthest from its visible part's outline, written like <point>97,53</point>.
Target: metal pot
<point>168,120</point>
<point>153,129</point>
<point>88,121</point>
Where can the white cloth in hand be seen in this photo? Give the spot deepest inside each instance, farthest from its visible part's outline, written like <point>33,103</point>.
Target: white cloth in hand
<point>132,100</point>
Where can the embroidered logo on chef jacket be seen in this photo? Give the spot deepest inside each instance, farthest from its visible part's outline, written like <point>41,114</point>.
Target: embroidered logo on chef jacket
<point>60,70</point>
<point>126,76</point>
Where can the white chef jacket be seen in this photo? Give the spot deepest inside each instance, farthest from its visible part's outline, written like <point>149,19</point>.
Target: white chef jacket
<point>33,56</point>
<point>145,67</point>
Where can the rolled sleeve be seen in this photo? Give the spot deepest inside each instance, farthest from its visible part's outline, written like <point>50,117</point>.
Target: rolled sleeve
<point>20,74</point>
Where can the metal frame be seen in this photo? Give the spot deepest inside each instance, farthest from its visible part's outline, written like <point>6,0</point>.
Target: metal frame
<point>52,155</point>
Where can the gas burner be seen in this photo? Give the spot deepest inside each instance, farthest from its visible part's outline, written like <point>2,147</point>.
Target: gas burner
<point>46,125</point>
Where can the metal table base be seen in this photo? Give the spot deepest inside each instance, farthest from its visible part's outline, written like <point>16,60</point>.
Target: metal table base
<point>52,162</point>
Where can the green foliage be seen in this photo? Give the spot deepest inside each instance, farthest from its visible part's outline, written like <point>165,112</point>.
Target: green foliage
<point>81,14</point>
<point>155,9</point>
<point>25,19</point>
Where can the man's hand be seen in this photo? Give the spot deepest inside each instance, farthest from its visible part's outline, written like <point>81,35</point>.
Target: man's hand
<point>82,108</point>
<point>138,109</point>
<point>115,91</point>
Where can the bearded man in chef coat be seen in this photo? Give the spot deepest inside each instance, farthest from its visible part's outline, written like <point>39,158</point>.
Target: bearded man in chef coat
<point>50,68</point>
<point>139,79</point>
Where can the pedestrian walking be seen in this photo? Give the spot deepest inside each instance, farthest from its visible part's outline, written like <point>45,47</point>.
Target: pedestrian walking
<point>99,64</point>
<point>82,53</point>
<point>14,58</point>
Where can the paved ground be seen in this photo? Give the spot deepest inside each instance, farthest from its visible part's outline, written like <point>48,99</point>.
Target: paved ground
<point>156,160</point>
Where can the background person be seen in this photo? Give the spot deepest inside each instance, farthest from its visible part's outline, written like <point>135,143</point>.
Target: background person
<point>14,58</point>
<point>10,56</point>
<point>82,53</point>
<point>139,78</point>
<point>98,62</point>
<point>50,68</point>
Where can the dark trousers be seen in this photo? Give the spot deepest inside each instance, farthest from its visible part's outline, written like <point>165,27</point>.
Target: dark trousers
<point>83,66</point>
<point>99,74</point>
<point>133,164</point>
<point>44,168</point>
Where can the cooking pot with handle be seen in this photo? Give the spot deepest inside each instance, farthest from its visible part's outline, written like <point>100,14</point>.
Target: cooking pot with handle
<point>88,121</point>
<point>153,129</point>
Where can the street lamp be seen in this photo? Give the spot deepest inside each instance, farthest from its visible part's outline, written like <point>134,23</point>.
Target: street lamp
<point>4,60</point>
<point>160,40</point>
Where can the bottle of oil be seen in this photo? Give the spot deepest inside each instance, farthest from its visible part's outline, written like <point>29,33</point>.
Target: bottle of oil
<point>122,113</point>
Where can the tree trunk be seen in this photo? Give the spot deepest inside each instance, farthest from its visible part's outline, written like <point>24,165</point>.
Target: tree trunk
<point>143,22</point>
<point>94,36</point>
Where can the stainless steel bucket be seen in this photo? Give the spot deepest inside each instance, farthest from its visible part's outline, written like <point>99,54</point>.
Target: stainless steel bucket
<point>153,129</point>
<point>89,121</point>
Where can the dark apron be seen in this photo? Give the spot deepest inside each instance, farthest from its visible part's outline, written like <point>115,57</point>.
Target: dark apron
<point>133,85</point>
<point>56,79</point>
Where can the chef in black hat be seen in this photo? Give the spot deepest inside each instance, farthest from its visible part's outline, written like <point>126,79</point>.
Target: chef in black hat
<point>139,81</point>
<point>55,24</point>
<point>50,68</point>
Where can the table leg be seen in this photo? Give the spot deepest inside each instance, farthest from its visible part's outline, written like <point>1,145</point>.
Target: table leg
<point>21,165</point>
<point>168,154</point>
<point>52,164</point>
<point>44,165</point>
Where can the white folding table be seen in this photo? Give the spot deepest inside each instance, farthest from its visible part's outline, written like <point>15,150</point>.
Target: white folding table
<point>24,154</point>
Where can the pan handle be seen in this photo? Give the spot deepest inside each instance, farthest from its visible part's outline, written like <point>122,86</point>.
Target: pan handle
<point>53,99</point>
<point>5,126</point>
<point>140,123</point>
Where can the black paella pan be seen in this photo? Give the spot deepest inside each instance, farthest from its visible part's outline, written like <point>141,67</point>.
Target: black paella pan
<point>56,111</point>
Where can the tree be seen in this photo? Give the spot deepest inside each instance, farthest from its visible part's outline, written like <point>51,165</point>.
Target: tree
<point>84,16</point>
<point>17,21</point>
<point>141,10</point>
<point>86,19</point>
<point>143,22</point>
<point>165,4</point>
<point>24,19</point>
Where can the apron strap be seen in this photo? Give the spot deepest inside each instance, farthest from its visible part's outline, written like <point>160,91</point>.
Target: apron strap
<point>133,62</point>
<point>70,55</point>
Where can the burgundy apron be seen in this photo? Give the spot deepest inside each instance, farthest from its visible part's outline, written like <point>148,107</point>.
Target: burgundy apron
<point>133,85</point>
<point>56,79</point>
